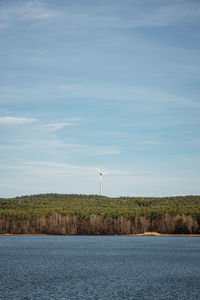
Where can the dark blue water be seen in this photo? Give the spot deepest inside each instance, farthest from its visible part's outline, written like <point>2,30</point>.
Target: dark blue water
<point>101,267</point>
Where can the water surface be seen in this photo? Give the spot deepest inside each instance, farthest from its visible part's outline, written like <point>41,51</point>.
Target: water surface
<point>99,267</point>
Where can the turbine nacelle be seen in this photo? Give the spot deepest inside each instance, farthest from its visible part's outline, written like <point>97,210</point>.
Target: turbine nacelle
<point>101,172</point>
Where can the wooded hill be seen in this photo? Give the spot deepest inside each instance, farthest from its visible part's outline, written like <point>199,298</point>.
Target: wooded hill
<point>92,214</point>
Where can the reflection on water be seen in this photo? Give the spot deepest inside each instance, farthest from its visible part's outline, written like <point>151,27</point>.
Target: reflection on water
<point>99,267</point>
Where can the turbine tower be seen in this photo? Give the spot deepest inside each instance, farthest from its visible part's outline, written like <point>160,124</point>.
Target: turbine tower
<point>100,181</point>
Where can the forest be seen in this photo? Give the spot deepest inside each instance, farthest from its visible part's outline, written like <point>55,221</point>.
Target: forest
<point>92,214</point>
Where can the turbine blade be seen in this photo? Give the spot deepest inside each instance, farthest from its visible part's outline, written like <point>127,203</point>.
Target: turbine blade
<point>99,171</point>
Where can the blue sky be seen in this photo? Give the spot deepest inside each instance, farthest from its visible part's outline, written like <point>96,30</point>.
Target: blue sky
<point>111,84</point>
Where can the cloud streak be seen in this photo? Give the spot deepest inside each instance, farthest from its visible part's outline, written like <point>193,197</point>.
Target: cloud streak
<point>95,92</point>
<point>27,11</point>
<point>142,16</point>
<point>165,15</point>
<point>73,16</point>
<point>10,120</point>
<point>15,120</point>
<point>64,169</point>
<point>52,127</point>
<point>54,144</point>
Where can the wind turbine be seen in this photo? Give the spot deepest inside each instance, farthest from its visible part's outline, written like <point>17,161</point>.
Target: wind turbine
<point>100,181</point>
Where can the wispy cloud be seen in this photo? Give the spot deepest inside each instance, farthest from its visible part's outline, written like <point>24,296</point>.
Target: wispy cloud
<point>148,142</point>
<point>56,126</point>
<point>165,15</point>
<point>25,12</point>
<point>131,93</point>
<point>10,120</point>
<point>103,91</point>
<point>49,168</point>
<point>62,168</point>
<point>15,120</point>
<point>93,17</point>
<point>123,173</point>
<point>59,168</point>
<point>41,137</point>
<point>50,144</point>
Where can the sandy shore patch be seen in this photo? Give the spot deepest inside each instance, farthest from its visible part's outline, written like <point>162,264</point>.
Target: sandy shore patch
<point>149,233</point>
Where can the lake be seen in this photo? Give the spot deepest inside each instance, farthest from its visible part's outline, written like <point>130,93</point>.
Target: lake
<point>99,267</point>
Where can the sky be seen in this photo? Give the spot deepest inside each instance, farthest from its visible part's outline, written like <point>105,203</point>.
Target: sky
<point>108,84</point>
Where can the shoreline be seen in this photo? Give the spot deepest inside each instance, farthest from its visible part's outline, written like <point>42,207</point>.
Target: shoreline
<point>156,234</point>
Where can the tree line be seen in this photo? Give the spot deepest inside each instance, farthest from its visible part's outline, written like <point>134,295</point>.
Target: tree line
<point>93,214</point>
